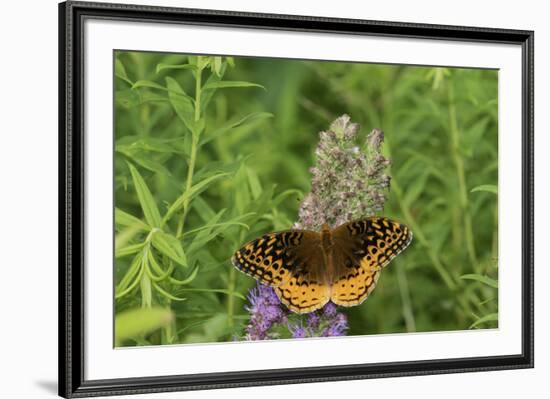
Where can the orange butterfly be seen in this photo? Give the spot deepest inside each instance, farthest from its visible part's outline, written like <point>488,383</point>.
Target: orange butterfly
<point>309,268</point>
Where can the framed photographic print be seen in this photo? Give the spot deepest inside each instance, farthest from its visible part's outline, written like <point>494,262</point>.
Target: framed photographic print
<point>252,199</point>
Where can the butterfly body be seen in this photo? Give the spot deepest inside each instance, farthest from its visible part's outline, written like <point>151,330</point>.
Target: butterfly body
<point>326,246</point>
<point>309,268</point>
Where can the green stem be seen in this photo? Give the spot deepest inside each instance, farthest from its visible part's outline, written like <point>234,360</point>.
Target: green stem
<point>144,109</point>
<point>419,235</point>
<point>194,147</point>
<point>231,298</point>
<point>408,313</point>
<point>231,283</point>
<point>461,176</point>
<point>198,89</point>
<point>145,284</point>
<point>169,332</point>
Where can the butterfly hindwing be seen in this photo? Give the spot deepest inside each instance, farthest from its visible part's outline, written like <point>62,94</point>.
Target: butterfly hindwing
<point>354,284</point>
<point>305,290</point>
<point>361,250</point>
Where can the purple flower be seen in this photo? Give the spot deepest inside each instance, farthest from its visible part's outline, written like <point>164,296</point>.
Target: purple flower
<point>265,311</point>
<point>326,322</point>
<point>298,331</point>
<point>313,320</point>
<point>337,326</point>
<point>330,310</point>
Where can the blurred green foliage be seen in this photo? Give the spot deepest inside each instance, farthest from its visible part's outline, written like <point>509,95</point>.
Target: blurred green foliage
<point>213,151</point>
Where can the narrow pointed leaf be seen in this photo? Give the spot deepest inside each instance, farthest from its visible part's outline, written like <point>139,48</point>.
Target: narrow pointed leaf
<point>214,290</point>
<point>120,72</point>
<point>169,246</point>
<point>234,124</point>
<point>189,194</point>
<point>485,319</point>
<point>167,294</point>
<point>148,84</point>
<point>182,103</point>
<point>128,250</point>
<point>161,67</point>
<point>148,205</point>
<point>187,280</point>
<point>482,279</point>
<point>228,84</point>
<point>125,219</point>
<point>491,188</point>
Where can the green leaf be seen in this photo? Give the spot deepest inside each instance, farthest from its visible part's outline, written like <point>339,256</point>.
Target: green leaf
<point>148,84</point>
<point>141,321</point>
<point>482,279</point>
<point>203,209</point>
<point>145,288</point>
<point>282,196</point>
<point>254,183</point>
<point>215,168</point>
<point>131,144</point>
<point>169,246</point>
<point>131,278</point>
<point>162,274</point>
<point>491,188</point>
<point>474,135</point>
<point>151,165</point>
<point>182,103</point>
<point>211,230</point>
<point>128,250</point>
<point>241,192</point>
<point>228,84</point>
<point>231,125</point>
<point>127,98</point>
<point>485,319</point>
<point>145,198</point>
<point>167,294</point>
<point>143,160</point>
<point>120,72</point>
<point>258,207</point>
<point>202,61</point>
<point>416,188</point>
<point>208,94</point>
<point>125,219</point>
<point>231,222</point>
<point>187,280</point>
<point>216,65</point>
<point>215,290</point>
<point>208,225</point>
<point>161,67</point>
<point>189,194</point>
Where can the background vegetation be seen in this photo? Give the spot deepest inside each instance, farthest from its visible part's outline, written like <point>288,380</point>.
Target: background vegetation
<point>213,151</point>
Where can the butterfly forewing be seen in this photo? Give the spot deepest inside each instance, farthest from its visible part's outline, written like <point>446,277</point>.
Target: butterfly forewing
<point>293,263</point>
<point>361,250</point>
<point>267,258</point>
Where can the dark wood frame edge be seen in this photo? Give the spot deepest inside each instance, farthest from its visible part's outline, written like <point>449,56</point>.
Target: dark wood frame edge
<point>71,196</point>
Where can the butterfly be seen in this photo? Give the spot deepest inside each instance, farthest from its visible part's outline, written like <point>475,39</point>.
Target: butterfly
<point>309,268</point>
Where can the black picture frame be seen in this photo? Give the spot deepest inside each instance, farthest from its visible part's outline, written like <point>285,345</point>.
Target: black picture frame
<point>71,199</point>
